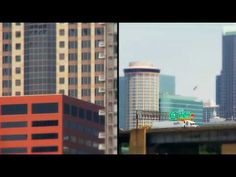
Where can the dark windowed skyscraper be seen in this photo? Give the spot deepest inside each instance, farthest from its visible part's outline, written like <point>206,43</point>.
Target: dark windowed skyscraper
<point>40,58</point>
<point>226,82</point>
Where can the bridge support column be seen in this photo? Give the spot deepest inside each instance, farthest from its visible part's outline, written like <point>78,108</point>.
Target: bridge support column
<point>228,148</point>
<point>138,141</point>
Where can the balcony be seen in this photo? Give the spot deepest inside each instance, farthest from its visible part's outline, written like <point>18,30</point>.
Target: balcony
<point>101,78</point>
<point>101,113</point>
<point>101,135</point>
<point>101,55</point>
<point>101,147</point>
<point>101,90</point>
<point>101,44</point>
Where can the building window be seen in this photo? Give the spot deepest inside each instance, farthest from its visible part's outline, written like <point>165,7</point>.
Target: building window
<point>86,44</point>
<point>66,109</point>
<point>7,60</point>
<point>86,80</point>
<point>39,108</point>
<point>74,111</point>
<point>7,35</point>
<point>73,93</point>
<point>72,44</point>
<point>89,115</point>
<point>72,32</point>
<point>18,93</point>
<point>8,25</point>
<point>62,68</point>
<point>99,31</point>
<point>99,67</point>
<point>86,92</point>
<point>18,24</point>
<point>99,102</point>
<point>14,109</point>
<point>96,117</point>
<point>86,68</point>
<point>86,56</point>
<point>18,34</point>
<point>62,44</point>
<point>18,58</point>
<point>13,150</point>
<point>18,46</point>
<point>6,94</point>
<point>6,83</point>
<point>73,56</point>
<point>97,55</point>
<point>45,123</point>
<point>115,49</point>
<point>18,70</point>
<point>61,80</point>
<point>97,43</point>
<point>18,82</point>
<point>62,32</point>
<point>61,56</point>
<point>13,137</point>
<point>96,79</point>
<point>6,47</point>
<point>6,72</point>
<point>72,80</point>
<point>97,93</point>
<point>45,149</point>
<point>81,113</point>
<point>44,136</point>
<point>62,92</point>
<point>86,32</point>
<point>102,120</point>
<point>13,124</point>
<point>73,68</point>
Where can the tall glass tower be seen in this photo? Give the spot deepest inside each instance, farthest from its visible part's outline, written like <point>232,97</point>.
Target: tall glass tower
<point>226,82</point>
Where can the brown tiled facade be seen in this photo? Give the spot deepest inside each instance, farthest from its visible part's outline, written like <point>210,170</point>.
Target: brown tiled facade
<point>85,59</point>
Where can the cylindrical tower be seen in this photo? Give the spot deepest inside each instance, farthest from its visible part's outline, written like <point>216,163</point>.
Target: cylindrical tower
<point>142,90</point>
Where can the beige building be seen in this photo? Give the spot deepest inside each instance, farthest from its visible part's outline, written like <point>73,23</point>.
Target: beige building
<point>75,59</point>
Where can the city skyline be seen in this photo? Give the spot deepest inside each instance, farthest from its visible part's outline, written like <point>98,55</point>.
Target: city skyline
<point>170,47</point>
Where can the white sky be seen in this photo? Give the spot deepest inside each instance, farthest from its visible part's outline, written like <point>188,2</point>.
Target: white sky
<point>189,51</point>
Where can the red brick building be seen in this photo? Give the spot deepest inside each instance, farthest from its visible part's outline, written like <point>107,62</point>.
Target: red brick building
<point>49,124</point>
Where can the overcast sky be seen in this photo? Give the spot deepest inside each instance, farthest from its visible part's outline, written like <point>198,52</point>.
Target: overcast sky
<point>189,51</point>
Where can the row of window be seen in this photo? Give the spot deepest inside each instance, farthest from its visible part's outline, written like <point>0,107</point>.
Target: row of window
<point>81,113</point>
<point>80,140</point>
<point>81,128</point>
<point>85,32</point>
<point>85,68</point>
<point>8,71</point>
<point>38,136</point>
<point>24,149</point>
<point>8,47</point>
<point>8,35</point>
<point>71,57</point>
<point>43,123</point>
<point>37,108</point>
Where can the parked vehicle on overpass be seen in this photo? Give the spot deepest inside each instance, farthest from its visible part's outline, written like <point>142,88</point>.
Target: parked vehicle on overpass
<point>173,124</point>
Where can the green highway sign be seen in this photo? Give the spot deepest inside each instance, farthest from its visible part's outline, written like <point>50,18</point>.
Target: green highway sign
<point>181,115</point>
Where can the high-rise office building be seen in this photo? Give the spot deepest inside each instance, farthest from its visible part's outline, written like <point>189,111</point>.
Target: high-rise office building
<point>75,59</point>
<point>49,124</point>
<point>176,103</point>
<point>142,91</point>
<point>167,84</point>
<point>225,82</point>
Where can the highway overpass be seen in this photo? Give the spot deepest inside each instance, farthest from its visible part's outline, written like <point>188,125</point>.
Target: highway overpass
<point>211,139</point>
